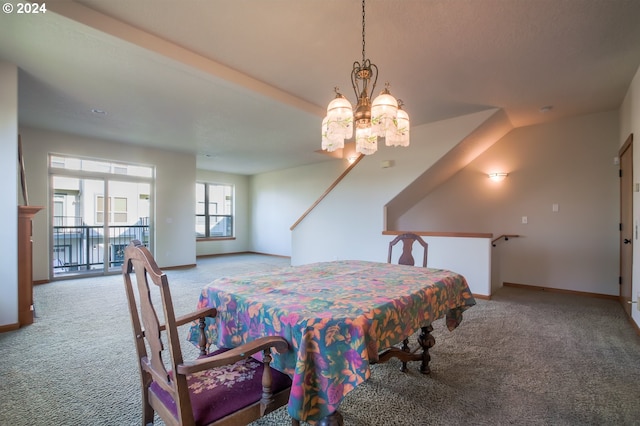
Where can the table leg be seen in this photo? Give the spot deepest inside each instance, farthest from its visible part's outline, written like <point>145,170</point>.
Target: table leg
<point>405,354</point>
<point>426,341</point>
<point>333,419</point>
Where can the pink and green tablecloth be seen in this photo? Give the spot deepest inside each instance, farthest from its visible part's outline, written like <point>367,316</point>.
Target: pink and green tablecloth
<point>336,316</point>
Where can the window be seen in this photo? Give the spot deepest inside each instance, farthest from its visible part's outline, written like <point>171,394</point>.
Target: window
<point>214,210</point>
<point>118,209</point>
<point>99,166</point>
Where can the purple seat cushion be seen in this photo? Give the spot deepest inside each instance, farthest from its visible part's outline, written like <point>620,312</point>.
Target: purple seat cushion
<point>221,391</point>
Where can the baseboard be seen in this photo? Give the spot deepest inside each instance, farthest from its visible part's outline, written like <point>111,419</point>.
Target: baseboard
<point>270,254</point>
<point>9,327</point>
<point>204,256</point>
<point>187,266</point>
<point>559,290</point>
<point>481,296</point>
<point>242,252</point>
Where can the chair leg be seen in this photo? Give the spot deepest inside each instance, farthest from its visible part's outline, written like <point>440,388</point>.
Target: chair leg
<point>147,415</point>
<point>147,410</point>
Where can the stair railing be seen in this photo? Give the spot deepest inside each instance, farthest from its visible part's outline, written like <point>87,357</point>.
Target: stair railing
<point>503,236</point>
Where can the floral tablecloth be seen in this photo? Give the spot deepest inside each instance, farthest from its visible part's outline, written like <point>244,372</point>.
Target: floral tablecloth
<point>336,316</point>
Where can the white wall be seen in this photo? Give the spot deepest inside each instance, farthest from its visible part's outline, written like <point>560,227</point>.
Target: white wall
<point>348,224</point>
<point>468,256</point>
<point>9,201</point>
<point>630,123</point>
<point>174,192</point>
<point>279,198</point>
<point>241,218</point>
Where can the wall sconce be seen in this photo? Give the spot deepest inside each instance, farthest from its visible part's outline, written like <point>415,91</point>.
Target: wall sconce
<point>497,177</point>
<point>352,158</point>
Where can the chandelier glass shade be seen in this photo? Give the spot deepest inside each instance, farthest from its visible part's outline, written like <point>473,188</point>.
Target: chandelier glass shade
<point>383,118</point>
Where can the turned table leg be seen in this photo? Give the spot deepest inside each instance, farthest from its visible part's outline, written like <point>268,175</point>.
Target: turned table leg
<point>426,341</point>
<point>333,419</point>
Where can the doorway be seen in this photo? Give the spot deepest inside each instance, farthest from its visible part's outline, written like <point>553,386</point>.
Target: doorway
<point>95,215</point>
<point>628,230</point>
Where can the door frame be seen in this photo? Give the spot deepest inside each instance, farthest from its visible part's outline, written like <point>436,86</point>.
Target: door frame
<point>106,179</point>
<point>628,230</point>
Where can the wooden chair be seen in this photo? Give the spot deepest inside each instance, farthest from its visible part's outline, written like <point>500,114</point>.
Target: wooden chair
<point>406,354</point>
<point>406,258</point>
<point>225,387</point>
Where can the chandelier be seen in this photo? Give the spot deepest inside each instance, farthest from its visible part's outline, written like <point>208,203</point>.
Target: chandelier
<point>382,118</point>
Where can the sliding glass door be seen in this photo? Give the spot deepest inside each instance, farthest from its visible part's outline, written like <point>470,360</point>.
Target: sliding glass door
<point>94,218</point>
<point>128,218</point>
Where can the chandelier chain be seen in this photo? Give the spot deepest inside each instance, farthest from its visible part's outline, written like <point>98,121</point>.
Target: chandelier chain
<point>363,55</point>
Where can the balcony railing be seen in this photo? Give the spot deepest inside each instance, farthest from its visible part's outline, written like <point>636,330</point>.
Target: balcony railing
<point>80,248</point>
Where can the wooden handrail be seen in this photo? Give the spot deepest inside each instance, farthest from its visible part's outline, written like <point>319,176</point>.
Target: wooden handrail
<point>441,234</point>
<point>333,185</point>
<point>455,234</point>
<point>505,236</point>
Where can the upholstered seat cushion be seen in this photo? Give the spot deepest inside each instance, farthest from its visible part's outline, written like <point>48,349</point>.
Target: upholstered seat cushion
<point>219,392</point>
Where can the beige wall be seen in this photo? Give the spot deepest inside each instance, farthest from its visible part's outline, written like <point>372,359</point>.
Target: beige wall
<point>174,197</point>
<point>569,163</point>
<point>9,199</point>
<point>242,213</point>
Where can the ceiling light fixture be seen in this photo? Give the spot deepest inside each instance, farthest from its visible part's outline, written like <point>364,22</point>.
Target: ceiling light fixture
<point>382,118</point>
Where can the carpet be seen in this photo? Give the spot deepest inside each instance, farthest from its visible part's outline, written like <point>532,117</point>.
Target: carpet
<point>523,358</point>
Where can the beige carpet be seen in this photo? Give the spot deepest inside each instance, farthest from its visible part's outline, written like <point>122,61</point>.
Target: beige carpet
<point>523,358</point>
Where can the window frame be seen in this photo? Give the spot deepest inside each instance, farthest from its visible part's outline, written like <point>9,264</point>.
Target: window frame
<point>207,215</point>
<point>114,213</point>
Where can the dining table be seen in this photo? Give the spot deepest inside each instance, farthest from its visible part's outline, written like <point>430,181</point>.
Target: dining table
<point>338,317</point>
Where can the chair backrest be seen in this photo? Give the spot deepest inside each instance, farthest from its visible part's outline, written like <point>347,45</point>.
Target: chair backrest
<point>147,327</point>
<point>406,257</point>
<point>165,383</point>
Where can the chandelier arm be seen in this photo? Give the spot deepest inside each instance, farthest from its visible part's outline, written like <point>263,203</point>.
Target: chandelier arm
<point>375,79</point>
<point>354,78</point>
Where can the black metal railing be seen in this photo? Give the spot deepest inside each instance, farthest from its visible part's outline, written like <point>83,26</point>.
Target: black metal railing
<point>80,248</point>
<point>503,236</point>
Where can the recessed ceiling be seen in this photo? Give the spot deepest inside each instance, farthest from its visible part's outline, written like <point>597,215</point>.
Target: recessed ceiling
<point>244,84</point>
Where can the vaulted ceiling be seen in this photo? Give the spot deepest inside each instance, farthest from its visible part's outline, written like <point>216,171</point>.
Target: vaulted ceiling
<point>244,84</point>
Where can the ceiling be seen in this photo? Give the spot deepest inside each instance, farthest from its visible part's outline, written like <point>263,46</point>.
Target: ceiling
<point>244,84</point>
